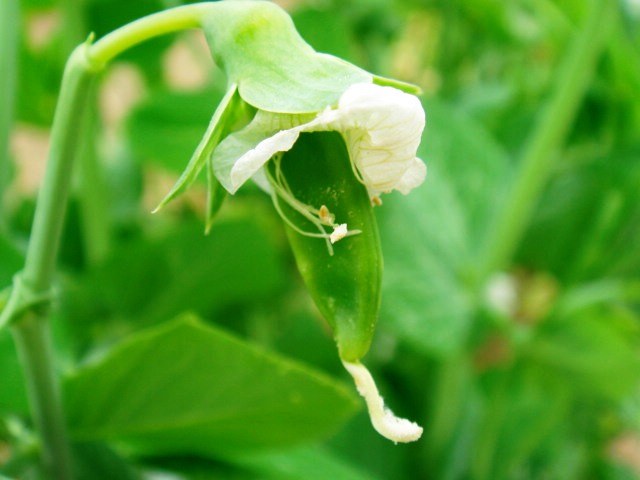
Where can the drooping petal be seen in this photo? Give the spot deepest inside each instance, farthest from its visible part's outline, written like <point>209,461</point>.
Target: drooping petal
<point>383,128</point>
<point>413,176</point>
<point>383,420</point>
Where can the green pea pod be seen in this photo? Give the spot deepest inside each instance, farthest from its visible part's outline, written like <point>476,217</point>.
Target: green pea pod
<point>345,283</point>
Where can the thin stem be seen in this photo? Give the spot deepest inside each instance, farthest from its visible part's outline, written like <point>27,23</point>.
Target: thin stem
<point>538,158</point>
<point>29,325</point>
<point>161,23</point>
<point>9,30</point>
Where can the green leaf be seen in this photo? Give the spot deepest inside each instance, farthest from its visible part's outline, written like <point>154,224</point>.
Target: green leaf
<point>12,261</point>
<point>96,461</point>
<point>596,203</point>
<point>308,463</point>
<point>185,387</point>
<point>276,70</point>
<point>159,280</point>
<point>13,398</point>
<point>167,127</point>
<point>595,352</point>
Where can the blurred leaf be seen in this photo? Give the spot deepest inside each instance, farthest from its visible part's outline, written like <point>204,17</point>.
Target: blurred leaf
<point>11,261</point>
<point>325,31</point>
<point>13,398</point>
<point>431,237</point>
<point>39,81</point>
<point>96,461</point>
<point>168,126</point>
<point>311,463</point>
<point>531,409</point>
<point>184,387</point>
<point>104,16</point>
<point>148,280</point>
<point>592,352</point>
<point>594,217</point>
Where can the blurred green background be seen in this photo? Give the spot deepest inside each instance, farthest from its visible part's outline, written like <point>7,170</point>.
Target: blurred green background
<point>510,325</point>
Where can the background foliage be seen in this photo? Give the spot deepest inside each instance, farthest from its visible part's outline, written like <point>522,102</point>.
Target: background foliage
<point>202,356</point>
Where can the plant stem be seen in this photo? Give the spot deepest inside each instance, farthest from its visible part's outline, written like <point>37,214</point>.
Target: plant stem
<point>30,325</point>
<point>35,351</point>
<point>9,30</point>
<point>538,158</point>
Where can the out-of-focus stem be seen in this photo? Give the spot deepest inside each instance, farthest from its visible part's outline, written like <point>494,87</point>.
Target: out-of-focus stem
<point>539,154</point>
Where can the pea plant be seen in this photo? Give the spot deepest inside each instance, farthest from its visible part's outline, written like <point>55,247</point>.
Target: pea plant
<point>177,292</point>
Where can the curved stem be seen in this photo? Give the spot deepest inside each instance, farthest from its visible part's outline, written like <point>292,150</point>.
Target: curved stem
<point>539,155</point>
<point>161,23</point>
<point>30,325</point>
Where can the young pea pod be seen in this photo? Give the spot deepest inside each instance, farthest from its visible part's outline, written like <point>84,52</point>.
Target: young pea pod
<point>343,279</point>
<point>315,186</point>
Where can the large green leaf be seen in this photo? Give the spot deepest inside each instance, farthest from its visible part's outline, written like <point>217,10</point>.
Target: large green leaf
<point>308,463</point>
<point>185,387</point>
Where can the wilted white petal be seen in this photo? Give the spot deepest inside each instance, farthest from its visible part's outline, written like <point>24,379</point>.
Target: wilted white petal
<point>382,419</point>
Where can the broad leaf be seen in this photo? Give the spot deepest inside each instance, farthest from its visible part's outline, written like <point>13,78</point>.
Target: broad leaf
<point>185,387</point>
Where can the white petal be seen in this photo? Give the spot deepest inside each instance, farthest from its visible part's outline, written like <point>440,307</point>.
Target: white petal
<point>252,161</point>
<point>382,127</point>
<point>383,419</point>
<point>413,177</point>
<point>242,154</point>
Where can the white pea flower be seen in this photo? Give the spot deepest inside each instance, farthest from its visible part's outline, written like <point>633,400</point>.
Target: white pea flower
<point>381,126</point>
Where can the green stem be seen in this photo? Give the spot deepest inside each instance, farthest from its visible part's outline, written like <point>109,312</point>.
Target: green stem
<point>538,158</point>
<point>30,326</point>
<point>9,33</point>
<point>35,351</point>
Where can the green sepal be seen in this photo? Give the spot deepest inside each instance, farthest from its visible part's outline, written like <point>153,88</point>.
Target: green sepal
<point>345,286</point>
<point>259,48</point>
<point>232,113</point>
<point>399,84</point>
<point>216,195</point>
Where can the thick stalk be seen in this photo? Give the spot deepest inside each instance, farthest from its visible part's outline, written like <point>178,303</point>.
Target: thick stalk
<point>9,29</point>
<point>537,160</point>
<point>30,325</point>
<point>35,351</point>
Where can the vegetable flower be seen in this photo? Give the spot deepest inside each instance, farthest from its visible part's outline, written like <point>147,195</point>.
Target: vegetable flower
<point>325,139</point>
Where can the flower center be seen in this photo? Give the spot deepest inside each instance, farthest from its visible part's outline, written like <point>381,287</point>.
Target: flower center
<point>321,218</point>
